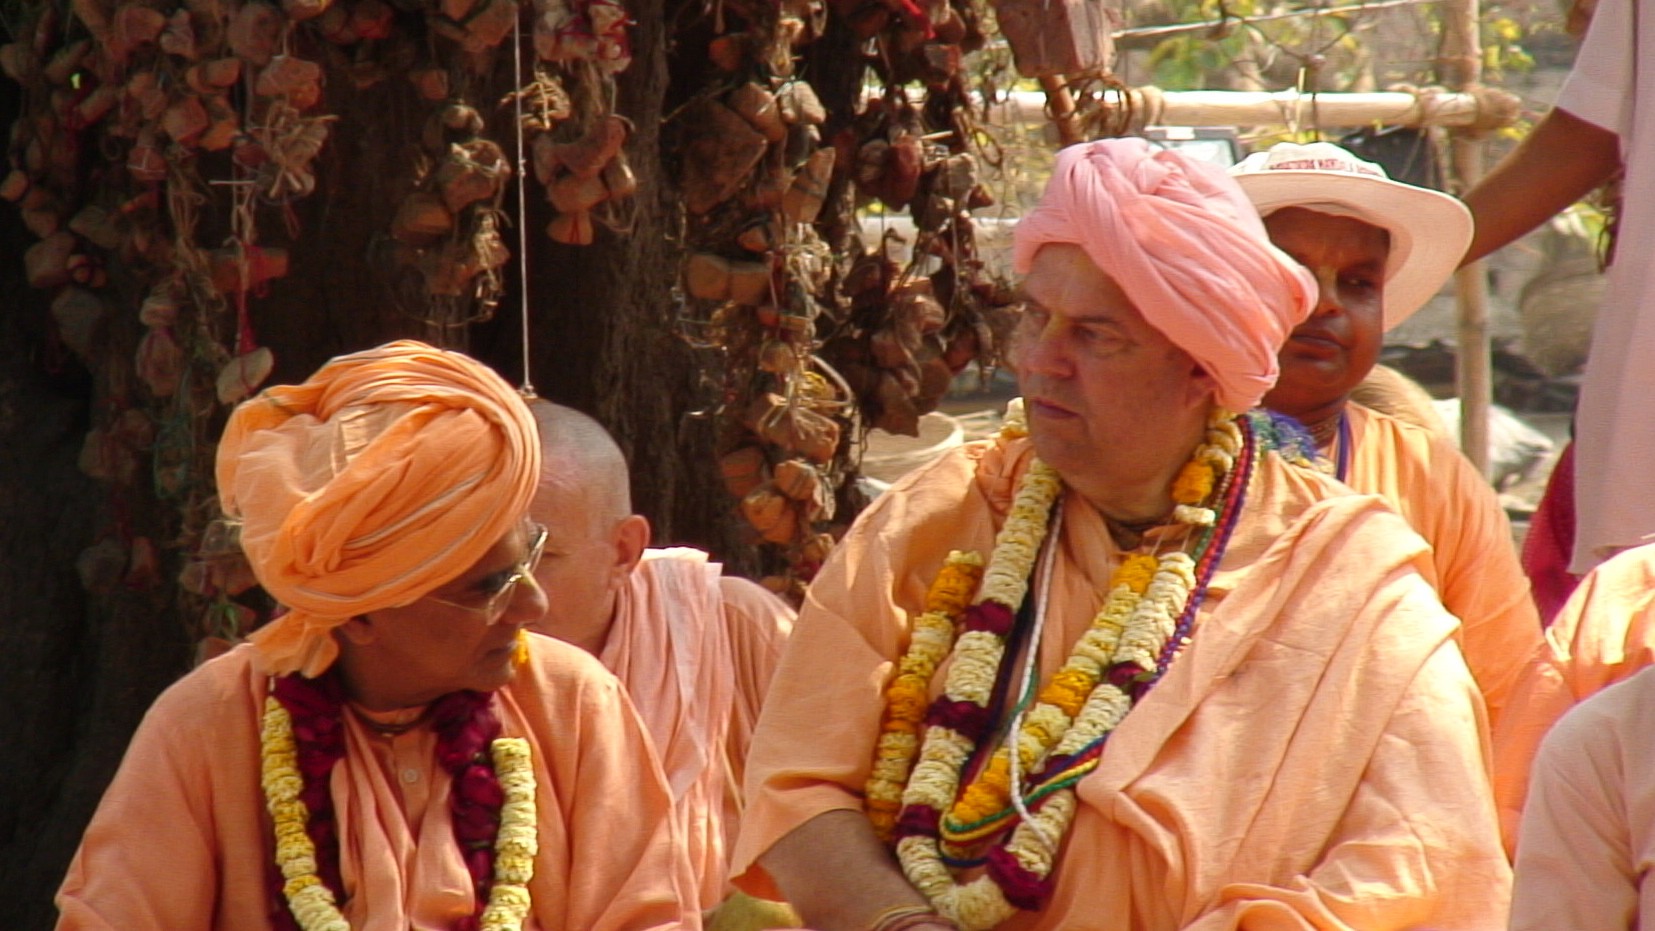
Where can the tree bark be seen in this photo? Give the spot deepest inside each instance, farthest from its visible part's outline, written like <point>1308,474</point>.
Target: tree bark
<point>82,667</point>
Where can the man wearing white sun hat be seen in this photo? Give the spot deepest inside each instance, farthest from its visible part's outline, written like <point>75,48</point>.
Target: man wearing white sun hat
<point>1380,249</point>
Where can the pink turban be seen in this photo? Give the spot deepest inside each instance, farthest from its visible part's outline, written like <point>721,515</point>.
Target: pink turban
<point>387,474</point>
<point>1186,246</point>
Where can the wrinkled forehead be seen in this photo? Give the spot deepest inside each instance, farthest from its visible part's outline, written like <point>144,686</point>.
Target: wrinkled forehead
<point>1063,278</point>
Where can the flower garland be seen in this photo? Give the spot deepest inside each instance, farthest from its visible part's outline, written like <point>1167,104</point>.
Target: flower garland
<point>905,697</point>
<point>1128,645</point>
<point>493,803</point>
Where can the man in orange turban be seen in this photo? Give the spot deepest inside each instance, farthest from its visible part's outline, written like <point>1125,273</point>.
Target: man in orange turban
<point>1132,664</point>
<point>394,751</point>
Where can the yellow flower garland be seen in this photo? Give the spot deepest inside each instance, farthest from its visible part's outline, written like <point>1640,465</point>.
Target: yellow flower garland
<point>1074,709</point>
<point>518,842</point>
<point>310,899</point>
<point>908,693</point>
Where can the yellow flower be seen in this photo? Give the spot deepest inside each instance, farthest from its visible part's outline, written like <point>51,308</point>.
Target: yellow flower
<point>987,795</point>
<point>955,583</point>
<point>1135,572</point>
<point>292,887</point>
<point>1193,484</point>
<point>1068,690</point>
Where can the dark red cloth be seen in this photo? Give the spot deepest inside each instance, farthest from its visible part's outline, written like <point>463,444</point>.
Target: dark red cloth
<point>1551,540</point>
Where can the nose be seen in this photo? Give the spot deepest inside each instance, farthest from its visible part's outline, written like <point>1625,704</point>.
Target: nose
<point>1037,349</point>
<point>1327,292</point>
<point>528,603</point>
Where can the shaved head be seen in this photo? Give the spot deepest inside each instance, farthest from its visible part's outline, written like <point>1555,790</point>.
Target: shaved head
<point>593,540</point>
<point>579,459</point>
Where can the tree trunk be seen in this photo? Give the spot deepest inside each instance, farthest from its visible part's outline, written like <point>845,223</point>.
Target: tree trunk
<point>83,666</point>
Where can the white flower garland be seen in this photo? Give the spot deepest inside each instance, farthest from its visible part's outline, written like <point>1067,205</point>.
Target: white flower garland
<point>1146,598</point>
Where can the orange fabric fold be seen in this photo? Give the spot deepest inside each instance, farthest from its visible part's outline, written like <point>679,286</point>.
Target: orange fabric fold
<point>1604,634</point>
<point>343,512</point>
<point>1473,565</point>
<point>671,649</point>
<point>696,651</point>
<point>1186,246</point>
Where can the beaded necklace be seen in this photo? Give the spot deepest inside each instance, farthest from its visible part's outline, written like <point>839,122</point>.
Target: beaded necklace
<point>1145,618</point>
<point>492,802</point>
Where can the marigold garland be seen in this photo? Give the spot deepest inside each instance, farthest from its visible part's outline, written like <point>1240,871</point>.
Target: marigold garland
<point>1128,644</point>
<point>908,694</point>
<point>518,842</point>
<point>311,899</point>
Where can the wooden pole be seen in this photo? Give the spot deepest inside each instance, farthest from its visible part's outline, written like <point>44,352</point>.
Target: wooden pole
<point>1460,68</point>
<point>1154,107</point>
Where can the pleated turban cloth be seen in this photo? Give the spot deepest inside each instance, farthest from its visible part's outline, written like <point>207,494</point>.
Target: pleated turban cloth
<point>1188,249</point>
<point>387,474</point>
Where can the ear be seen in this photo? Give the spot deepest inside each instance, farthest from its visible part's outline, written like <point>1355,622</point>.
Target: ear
<point>358,631</point>
<point>629,539</point>
<point>1202,389</point>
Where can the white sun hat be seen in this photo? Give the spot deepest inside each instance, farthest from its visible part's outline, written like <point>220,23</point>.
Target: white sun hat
<point>1429,230</point>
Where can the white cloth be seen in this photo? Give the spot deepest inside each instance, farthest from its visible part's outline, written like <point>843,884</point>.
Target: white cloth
<point>1615,430</point>
<point>1588,840</point>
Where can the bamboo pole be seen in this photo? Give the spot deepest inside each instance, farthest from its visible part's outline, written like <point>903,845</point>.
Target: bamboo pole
<point>1460,67</point>
<point>1154,107</point>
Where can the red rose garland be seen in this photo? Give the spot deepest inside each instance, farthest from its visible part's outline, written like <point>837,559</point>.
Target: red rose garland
<point>465,725</point>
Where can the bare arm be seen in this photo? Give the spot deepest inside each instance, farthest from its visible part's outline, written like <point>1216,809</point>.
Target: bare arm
<point>837,874</point>
<point>1561,161</point>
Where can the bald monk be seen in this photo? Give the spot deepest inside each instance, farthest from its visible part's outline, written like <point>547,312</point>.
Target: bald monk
<point>1196,685</point>
<point>394,751</point>
<point>694,648</point>
<point>1379,249</point>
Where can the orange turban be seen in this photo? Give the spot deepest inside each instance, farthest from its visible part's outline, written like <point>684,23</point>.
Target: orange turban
<point>1186,246</point>
<point>387,474</point>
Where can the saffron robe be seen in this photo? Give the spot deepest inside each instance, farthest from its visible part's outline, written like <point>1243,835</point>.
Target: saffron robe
<point>696,651</point>
<point>182,839</point>
<point>1603,634</point>
<point>1314,758</point>
<point>1589,828</point>
<point>1473,564</point>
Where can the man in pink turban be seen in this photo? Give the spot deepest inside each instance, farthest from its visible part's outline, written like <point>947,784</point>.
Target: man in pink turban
<point>393,751</point>
<point>1133,663</point>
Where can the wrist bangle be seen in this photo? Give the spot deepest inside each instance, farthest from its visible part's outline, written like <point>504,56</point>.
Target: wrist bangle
<point>906,917</point>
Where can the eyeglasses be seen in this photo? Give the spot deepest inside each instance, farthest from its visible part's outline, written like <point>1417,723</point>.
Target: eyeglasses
<point>501,597</point>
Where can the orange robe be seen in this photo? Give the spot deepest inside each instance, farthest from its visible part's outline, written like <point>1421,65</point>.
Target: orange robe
<point>696,651</point>
<point>1604,633</point>
<point>1473,564</point>
<point>182,840</point>
<point>1315,757</point>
